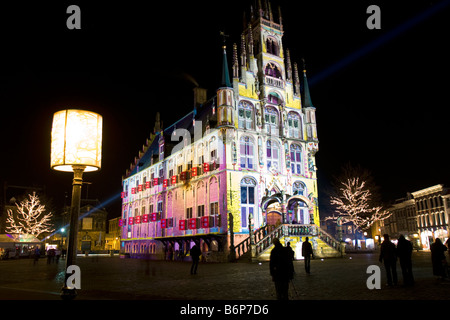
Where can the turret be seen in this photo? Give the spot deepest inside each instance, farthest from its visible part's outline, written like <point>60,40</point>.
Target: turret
<point>225,96</point>
<point>308,109</point>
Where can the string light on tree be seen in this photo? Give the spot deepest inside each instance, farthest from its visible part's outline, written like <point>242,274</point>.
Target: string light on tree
<point>353,205</point>
<point>30,218</point>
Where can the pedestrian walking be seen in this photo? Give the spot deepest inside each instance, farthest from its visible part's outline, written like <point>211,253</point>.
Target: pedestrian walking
<point>307,252</point>
<point>195,255</point>
<point>37,255</point>
<point>57,255</point>
<point>438,258</point>
<point>281,269</point>
<point>389,257</point>
<point>404,252</point>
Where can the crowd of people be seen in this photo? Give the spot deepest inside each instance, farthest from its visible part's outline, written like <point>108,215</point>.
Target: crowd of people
<point>389,254</point>
<point>282,268</point>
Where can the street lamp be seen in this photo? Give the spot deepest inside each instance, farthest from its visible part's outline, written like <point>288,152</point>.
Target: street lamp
<point>76,146</point>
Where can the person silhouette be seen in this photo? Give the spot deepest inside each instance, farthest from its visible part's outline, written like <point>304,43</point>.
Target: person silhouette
<point>404,252</point>
<point>195,255</point>
<point>307,252</point>
<point>281,269</point>
<point>389,257</point>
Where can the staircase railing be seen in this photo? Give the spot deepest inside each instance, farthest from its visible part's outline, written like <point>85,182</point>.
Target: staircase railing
<point>264,236</point>
<point>259,234</point>
<point>330,240</point>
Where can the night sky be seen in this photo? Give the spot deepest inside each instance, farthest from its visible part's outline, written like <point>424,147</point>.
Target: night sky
<point>384,108</point>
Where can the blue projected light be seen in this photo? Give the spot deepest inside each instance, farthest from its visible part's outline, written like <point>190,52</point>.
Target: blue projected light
<point>106,202</point>
<point>378,42</point>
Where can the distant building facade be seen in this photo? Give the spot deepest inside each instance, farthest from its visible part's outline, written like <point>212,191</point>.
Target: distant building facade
<point>422,216</point>
<point>91,227</point>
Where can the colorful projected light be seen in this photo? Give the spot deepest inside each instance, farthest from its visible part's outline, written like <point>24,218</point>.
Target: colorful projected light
<point>76,140</point>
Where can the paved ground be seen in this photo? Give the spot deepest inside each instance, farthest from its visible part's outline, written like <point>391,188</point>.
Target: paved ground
<point>106,278</point>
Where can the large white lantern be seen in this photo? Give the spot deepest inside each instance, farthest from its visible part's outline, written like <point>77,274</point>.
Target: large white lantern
<point>76,140</point>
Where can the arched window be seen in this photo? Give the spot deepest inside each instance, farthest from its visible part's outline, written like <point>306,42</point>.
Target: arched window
<point>298,189</point>
<point>200,157</point>
<point>248,200</point>
<point>188,158</point>
<point>247,153</point>
<point>272,70</point>
<point>273,154</point>
<point>271,120</point>
<point>274,98</point>
<point>272,46</point>
<point>213,149</point>
<point>246,115</point>
<point>296,159</point>
<point>201,199</point>
<point>294,125</point>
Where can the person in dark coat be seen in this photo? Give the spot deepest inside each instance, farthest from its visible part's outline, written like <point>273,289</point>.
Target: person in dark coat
<point>404,252</point>
<point>438,258</point>
<point>281,269</point>
<point>195,255</point>
<point>307,252</point>
<point>289,249</point>
<point>389,256</point>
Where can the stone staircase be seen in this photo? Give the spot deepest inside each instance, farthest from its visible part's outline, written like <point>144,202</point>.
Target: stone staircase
<point>324,245</point>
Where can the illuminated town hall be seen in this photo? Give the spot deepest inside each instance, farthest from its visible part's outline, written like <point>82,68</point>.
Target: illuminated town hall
<point>238,168</point>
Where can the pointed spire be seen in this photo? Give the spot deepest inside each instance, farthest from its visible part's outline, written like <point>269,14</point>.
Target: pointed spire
<point>296,80</point>
<point>279,16</point>
<point>250,40</point>
<point>243,53</point>
<point>225,73</point>
<point>235,65</point>
<point>157,126</point>
<point>270,12</point>
<point>288,65</point>
<point>307,103</point>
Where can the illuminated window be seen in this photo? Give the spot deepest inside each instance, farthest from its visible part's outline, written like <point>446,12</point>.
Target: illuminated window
<point>294,125</point>
<point>188,213</point>
<point>274,98</point>
<point>272,46</point>
<point>247,153</point>
<point>273,154</point>
<point>248,187</point>
<point>296,159</point>
<point>298,188</point>
<point>200,210</point>
<point>213,149</point>
<point>273,71</point>
<point>271,120</point>
<point>245,115</point>
<point>200,157</point>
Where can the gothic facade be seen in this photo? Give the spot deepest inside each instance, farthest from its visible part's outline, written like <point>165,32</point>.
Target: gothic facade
<point>239,162</point>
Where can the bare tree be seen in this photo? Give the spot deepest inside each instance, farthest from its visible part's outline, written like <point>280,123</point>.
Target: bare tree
<point>30,217</point>
<point>353,203</point>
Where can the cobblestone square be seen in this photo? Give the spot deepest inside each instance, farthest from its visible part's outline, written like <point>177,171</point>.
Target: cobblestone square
<point>105,278</point>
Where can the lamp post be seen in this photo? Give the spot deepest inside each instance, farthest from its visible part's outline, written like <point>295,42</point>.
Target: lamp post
<point>76,143</point>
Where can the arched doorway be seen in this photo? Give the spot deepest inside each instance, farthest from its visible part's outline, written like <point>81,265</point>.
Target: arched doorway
<point>298,209</point>
<point>274,218</point>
